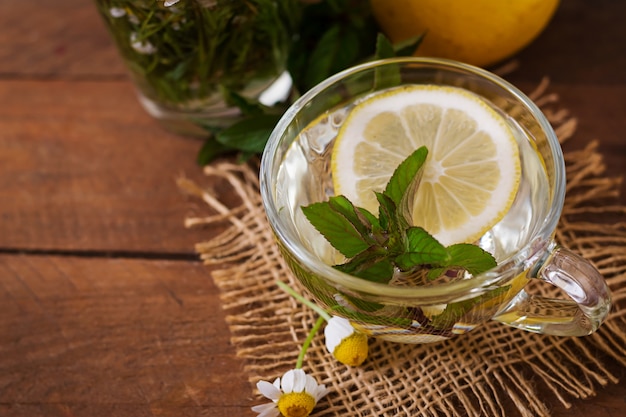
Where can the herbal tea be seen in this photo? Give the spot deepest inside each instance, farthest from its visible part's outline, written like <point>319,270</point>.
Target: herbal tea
<point>420,206</point>
<point>308,164</point>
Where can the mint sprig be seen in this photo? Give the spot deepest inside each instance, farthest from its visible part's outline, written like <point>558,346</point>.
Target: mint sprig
<point>377,246</point>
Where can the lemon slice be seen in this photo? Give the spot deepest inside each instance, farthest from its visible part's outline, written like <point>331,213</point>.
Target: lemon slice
<point>472,172</point>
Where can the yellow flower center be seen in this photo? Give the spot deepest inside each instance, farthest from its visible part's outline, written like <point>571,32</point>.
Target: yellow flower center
<point>296,404</point>
<point>352,350</point>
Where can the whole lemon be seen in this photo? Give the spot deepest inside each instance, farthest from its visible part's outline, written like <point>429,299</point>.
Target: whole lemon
<point>478,32</point>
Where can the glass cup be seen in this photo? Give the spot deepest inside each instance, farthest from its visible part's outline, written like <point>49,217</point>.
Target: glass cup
<point>295,172</point>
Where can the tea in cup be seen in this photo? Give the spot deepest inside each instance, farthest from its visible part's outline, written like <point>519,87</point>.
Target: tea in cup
<point>492,176</point>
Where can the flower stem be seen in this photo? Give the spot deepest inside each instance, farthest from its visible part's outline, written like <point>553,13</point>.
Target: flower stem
<point>303,300</point>
<point>309,339</point>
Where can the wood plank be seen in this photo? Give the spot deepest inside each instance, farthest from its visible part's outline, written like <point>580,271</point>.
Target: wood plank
<point>609,402</point>
<point>61,39</point>
<point>585,43</point>
<point>103,337</point>
<point>82,167</point>
<point>599,111</point>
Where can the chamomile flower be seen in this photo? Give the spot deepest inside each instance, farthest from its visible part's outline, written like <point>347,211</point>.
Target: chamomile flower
<point>346,344</point>
<point>117,12</point>
<point>143,47</point>
<point>295,395</point>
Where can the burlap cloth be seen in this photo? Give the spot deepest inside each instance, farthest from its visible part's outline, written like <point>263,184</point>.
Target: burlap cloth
<point>494,370</point>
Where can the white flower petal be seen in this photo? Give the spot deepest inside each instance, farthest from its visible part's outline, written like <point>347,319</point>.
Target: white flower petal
<point>337,329</point>
<point>294,380</point>
<point>310,385</point>
<point>266,410</point>
<point>320,392</point>
<point>117,11</point>
<point>268,390</point>
<point>288,380</point>
<point>299,381</point>
<point>168,3</point>
<point>143,47</point>
<point>277,383</point>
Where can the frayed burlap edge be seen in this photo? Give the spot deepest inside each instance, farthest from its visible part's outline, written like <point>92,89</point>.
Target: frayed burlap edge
<point>493,371</point>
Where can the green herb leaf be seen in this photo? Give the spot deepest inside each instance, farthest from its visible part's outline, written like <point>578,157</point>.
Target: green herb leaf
<point>370,220</point>
<point>421,249</point>
<point>465,256</point>
<point>470,257</point>
<point>250,134</point>
<point>406,175</point>
<point>333,36</point>
<point>376,247</point>
<point>389,75</point>
<point>371,264</point>
<point>248,107</point>
<point>384,47</point>
<point>454,312</point>
<point>340,231</point>
<point>369,241</point>
<point>388,215</point>
<point>357,218</point>
<point>210,150</point>
<point>335,51</point>
<point>353,305</point>
<point>409,46</point>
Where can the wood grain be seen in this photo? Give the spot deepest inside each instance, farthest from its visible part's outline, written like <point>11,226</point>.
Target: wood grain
<point>62,39</point>
<point>84,336</point>
<point>83,168</point>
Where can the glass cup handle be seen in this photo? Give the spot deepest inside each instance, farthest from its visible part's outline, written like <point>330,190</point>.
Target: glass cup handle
<point>582,314</point>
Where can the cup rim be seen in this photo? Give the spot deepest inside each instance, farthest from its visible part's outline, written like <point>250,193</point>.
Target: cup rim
<point>540,240</point>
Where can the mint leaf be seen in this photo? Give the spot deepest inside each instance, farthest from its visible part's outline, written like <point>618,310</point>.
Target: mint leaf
<point>388,75</point>
<point>335,48</point>
<point>352,306</point>
<point>249,134</point>
<point>333,36</point>
<point>361,222</point>
<point>247,106</point>
<point>408,46</point>
<point>371,264</point>
<point>377,247</point>
<point>369,218</point>
<point>472,258</point>
<point>465,256</point>
<point>388,218</point>
<point>384,47</point>
<point>210,150</point>
<point>455,311</point>
<point>421,249</point>
<point>340,231</point>
<point>406,176</point>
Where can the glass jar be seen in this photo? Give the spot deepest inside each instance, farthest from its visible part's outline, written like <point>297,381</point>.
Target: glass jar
<point>186,56</point>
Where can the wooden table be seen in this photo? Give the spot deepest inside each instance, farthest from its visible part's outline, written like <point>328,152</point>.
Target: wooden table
<point>105,309</point>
